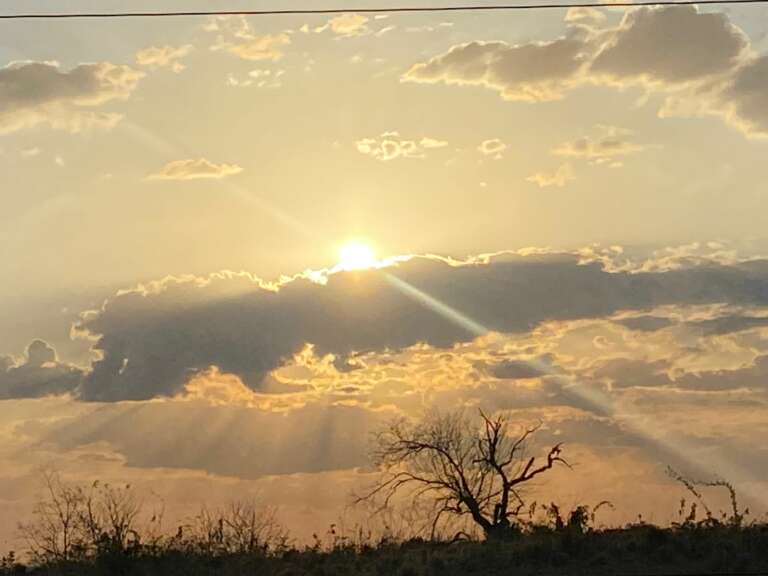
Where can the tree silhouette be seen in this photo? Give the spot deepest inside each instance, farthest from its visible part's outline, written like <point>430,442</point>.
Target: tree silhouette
<point>464,469</point>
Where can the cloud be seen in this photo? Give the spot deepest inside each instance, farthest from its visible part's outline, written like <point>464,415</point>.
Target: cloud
<point>528,72</point>
<point>432,143</point>
<point>669,45</point>
<point>695,384</point>
<point>260,78</point>
<point>390,146</point>
<point>163,57</point>
<point>236,37</point>
<point>195,169</point>
<point>39,353</point>
<point>610,144</point>
<point>729,324</point>
<point>38,375</point>
<point>347,25</point>
<point>237,441</point>
<point>493,147</point>
<point>558,178</point>
<point>429,27</point>
<point>268,47</point>
<point>699,61</point>
<point>646,323</point>
<point>584,15</point>
<point>154,339</point>
<point>744,100</point>
<point>40,93</point>
<point>638,373</point>
<point>514,369</point>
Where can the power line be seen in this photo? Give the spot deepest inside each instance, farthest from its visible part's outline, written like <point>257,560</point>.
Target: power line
<point>381,10</point>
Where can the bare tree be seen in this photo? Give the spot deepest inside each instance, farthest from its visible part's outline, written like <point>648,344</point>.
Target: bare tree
<point>242,527</point>
<point>113,511</point>
<point>55,532</point>
<point>465,470</point>
<point>72,522</point>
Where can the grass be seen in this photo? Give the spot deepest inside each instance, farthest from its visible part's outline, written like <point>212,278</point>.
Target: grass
<point>633,550</point>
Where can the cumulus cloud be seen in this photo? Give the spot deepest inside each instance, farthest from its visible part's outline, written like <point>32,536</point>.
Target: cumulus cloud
<point>669,45</point>
<point>493,147</point>
<point>528,72</point>
<point>152,340</point>
<point>39,353</point>
<point>659,348</point>
<point>41,93</point>
<point>38,375</point>
<point>584,15</point>
<point>163,57</point>
<point>195,169</point>
<point>391,145</point>
<point>558,178</point>
<point>700,61</point>
<point>744,101</point>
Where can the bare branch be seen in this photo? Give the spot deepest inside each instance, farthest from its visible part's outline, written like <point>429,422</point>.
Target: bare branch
<point>464,470</point>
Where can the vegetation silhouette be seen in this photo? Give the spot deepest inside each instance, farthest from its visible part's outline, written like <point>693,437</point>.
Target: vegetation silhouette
<point>456,474</point>
<point>462,470</point>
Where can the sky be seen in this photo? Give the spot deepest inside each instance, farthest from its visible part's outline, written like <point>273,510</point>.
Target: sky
<point>555,214</point>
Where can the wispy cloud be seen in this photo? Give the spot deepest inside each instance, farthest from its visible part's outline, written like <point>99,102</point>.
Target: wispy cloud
<point>610,144</point>
<point>195,169</point>
<point>163,57</point>
<point>347,25</point>
<point>235,36</point>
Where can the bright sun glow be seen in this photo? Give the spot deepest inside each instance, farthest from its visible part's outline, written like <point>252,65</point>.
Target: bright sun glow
<point>356,256</point>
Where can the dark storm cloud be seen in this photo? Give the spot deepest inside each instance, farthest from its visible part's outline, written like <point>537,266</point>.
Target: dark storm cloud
<point>40,374</point>
<point>152,341</point>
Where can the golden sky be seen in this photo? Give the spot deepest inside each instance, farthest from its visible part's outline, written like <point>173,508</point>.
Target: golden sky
<point>578,197</point>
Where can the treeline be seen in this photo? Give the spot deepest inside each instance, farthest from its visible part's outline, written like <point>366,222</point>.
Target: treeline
<point>98,530</point>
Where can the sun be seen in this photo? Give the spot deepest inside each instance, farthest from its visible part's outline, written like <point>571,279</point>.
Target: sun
<point>356,256</point>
